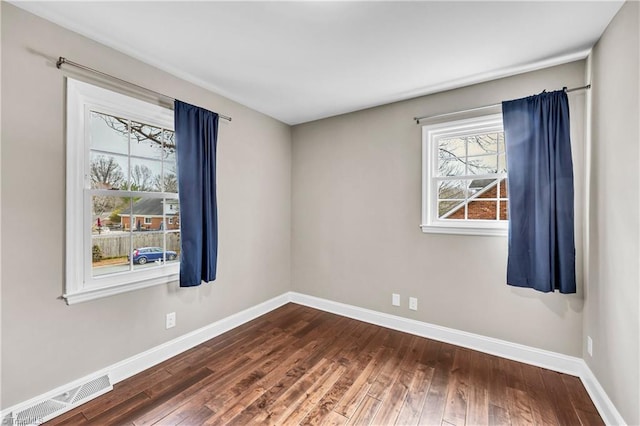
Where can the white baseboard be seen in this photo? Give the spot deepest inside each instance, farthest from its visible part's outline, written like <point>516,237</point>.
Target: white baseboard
<point>502,348</point>
<point>141,362</point>
<point>607,410</point>
<point>138,363</point>
<point>517,352</point>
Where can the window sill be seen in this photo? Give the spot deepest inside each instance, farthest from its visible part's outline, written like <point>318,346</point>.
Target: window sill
<point>84,295</point>
<point>465,230</point>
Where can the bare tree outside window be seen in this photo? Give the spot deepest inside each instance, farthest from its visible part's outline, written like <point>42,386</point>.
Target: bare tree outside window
<point>143,133</point>
<point>465,177</point>
<point>466,157</point>
<point>155,147</point>
<point>169,183</point>
<point>142,178</point>
<point>106,173</point>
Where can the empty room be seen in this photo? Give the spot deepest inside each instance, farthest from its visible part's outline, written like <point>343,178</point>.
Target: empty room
<point>384,213</point>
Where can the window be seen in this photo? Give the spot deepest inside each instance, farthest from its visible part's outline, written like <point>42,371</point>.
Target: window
<point>465,177</point>
<point>121,173</point>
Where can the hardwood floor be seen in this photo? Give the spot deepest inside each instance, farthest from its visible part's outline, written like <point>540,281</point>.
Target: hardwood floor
<point>297,365</point>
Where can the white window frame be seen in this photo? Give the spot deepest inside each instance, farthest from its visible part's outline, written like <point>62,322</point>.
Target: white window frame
<point>80,283</point>
<point>148,220</point>
<point>431,134</point>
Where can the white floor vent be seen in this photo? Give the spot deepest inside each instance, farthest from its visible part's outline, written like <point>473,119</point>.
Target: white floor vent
<point>39,412</point>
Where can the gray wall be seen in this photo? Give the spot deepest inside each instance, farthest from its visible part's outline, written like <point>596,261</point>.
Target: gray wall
<point>353,235</point>
<point>46,343</point>
<point>612,297</point>
<point>356,211</point>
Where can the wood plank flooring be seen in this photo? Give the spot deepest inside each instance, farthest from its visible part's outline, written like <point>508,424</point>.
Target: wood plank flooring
<point>298,365</point>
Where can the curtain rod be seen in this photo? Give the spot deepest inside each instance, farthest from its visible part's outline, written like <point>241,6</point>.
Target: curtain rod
<point>62,61</point>
<point>418,119</point>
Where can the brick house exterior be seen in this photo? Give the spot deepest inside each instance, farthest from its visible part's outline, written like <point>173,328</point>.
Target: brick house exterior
<point>148,213</point>
<point>479,207</point>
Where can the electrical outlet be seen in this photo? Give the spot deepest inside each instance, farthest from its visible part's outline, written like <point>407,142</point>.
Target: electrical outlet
<point>171,320</point>
<point>413,303</point>
<point>395,299</point>
<point>589,346</point>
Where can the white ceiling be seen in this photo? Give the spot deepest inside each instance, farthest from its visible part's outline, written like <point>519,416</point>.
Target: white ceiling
<point>301,61</point>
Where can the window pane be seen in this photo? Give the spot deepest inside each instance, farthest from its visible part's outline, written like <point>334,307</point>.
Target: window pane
<point>108,133</point>
<point>146,175</point>
<point>484,188</point>
<point>169,152</point>
<point>482,144</point>
<point>109,253</point>
<point>147,214</point>
<point>109,244</point>
<point>148,249</point>
<point>127,221</point>
<point>108,171</point>
<point>170,178</point>
<point>146,141</point>
<point>502,163</point>
<point>173,247</point>
<point>170,182</point>
<point>501,145</point>
<point>106,212</point>
<point>148,233</point>
<point>503,188</point>
<point>451,157</point>
<point>504,210</point>
<point>452,209</point>
<point>484,164</point>
<point>455,146</point>
<point>485,210</point>
<point>172,214</point>
<point>452,189</point>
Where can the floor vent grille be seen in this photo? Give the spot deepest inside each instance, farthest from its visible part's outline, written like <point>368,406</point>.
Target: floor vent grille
<point>92,388</point>
<point>40,412</point>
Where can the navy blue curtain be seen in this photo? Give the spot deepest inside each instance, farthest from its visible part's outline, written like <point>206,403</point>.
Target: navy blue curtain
<point>540,189</point>
<point>196,131</point>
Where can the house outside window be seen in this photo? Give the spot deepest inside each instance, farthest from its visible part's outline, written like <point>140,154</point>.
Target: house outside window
<point>121,173</point>
<point>464,177</point>
<point>153,211</point>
